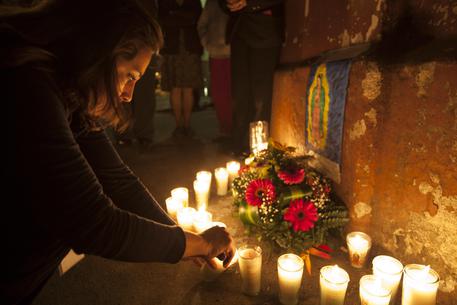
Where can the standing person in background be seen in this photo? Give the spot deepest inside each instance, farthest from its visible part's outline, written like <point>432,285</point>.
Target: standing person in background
<point>181,67</point>
<point>255,32</point>
<point>66,67</point>
<point>212,27</point>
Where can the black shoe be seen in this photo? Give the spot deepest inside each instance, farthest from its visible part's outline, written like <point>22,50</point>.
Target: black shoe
<point>179,132</point>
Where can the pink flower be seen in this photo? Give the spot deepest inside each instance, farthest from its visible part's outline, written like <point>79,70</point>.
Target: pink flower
<point>301,214</point>
<point>292,175</point>
<point>260,191</point>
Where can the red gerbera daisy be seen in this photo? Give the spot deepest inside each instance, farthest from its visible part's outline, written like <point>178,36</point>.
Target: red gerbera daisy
<point>292,175</point>
<point>260,191</point>
<point>301,214</point>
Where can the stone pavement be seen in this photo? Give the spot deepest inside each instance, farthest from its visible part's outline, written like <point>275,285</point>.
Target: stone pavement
<point>170,164</point>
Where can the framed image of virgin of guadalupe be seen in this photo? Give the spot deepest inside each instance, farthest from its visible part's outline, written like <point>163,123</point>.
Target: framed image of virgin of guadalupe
<point>325,102</point>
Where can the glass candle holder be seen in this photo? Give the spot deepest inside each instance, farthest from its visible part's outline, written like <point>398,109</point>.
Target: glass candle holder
<point>359,245</point>
<point>201,194</point>
<point>233,167</point>
<point>181,194</point>
<point>222,176</point>
<point>250,262</point>
<point>173,206</point>
<point>333,285</point>
<point>202,219</point>
<point>389,270</point>
<point>258,136</point>
<point>290,273</point>
<point>372,292</point>
<point>420,285</point>
<point>204,176</point>
<point>186,218</point>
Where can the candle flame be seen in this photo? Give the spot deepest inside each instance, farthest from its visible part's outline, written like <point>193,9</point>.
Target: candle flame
<point>422,274</point>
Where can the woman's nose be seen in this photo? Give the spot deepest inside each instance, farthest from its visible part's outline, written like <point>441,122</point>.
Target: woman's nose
<point>127,92</point>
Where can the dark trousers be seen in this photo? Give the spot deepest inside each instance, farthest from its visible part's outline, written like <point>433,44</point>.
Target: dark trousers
<point>252,88</point>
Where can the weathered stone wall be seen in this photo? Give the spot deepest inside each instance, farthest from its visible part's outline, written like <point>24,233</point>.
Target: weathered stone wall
<point>399,152</point>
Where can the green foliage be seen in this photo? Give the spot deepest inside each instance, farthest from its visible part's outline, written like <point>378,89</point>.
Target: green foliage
<point>268,219</point>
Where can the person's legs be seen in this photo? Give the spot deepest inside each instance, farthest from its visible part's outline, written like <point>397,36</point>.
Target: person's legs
<point>220,92</point>
<point>188,102</point>
<point>263,64</point>
<point>241,95</point>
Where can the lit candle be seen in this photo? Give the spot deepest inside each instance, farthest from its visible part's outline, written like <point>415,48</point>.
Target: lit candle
<point>202,219</point>
<point>290,272</point>
<point>204,176</point>
<point>233,167</point>
<point>389,270</point>
<point>420,285</point>
<point>209,274</point>
<point>372,292</point>
<point>181,194</point>
<point>173,206</point>
<point>250,262</point>
<point>258,136</point>
<point>334,283</point>
<point>359,244</point>
<point>201,194</point>
<point>186,218</point>
<point>221,174</point>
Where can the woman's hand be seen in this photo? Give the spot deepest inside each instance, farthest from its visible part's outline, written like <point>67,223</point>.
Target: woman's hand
<point>221,243</point>
<point>215,241</point>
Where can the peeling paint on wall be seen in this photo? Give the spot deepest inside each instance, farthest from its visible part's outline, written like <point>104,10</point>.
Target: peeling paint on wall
<point>358,130</point>
<point>424,78</point>
<point>425,235</point>
<point>371,115</point>
<point>373,26</point>
<point>344,38</point>
<point>362,209</point>
<point>371,84</point>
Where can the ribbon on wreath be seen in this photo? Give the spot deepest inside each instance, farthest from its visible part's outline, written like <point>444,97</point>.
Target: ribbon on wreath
<point>322,251</point>
<point>248,214</point>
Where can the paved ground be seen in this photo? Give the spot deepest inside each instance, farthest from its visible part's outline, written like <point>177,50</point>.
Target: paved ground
<point>99,281</point>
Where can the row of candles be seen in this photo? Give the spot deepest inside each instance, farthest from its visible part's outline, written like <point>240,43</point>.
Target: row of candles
<point>420,283</point>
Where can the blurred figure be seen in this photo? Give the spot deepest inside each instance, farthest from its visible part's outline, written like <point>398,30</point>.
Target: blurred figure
<point>255,32</point>
<point>212,27</point>
<point>181,68</point>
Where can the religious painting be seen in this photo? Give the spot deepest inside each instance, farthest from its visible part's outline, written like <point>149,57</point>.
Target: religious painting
<point>326,98</point>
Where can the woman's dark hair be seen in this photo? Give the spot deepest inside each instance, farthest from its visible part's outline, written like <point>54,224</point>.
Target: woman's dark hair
<point>82,39</point>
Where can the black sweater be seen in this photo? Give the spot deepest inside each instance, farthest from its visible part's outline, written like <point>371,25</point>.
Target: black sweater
<point>67,191</point>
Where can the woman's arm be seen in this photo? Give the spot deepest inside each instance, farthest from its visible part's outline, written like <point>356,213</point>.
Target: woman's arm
<point>119,183</point>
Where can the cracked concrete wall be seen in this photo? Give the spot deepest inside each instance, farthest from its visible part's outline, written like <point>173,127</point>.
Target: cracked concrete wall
<point>399,157</point>
<point>399,150</point>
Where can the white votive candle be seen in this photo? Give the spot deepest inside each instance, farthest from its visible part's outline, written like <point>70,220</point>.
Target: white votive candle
<point>372,292</point>
<point>182,194</point>
<point>204,176</point>
<point>420,285</point>
<point>389,270</point>
<point>290,272</point>
<point>359,245</point>
<point>221,174</point>
<point>233,167</point>
<point>202,219</point>
<point>173,206</point>
<point>186,218</point>
<point>333,283</point>
<point>250,262</point>
<point>201,194</point>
